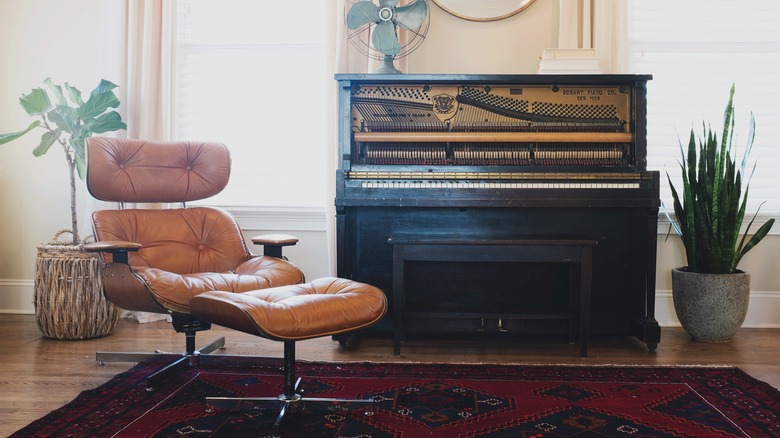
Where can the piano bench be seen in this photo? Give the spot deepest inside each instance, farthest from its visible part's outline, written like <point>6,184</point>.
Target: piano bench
<point>477,248</point>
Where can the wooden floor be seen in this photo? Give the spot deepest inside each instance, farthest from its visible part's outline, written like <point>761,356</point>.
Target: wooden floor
<point>38,375</point>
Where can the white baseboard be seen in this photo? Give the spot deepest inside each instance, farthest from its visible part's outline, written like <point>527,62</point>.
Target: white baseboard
<point>763,311</point>
<point>16,296</point>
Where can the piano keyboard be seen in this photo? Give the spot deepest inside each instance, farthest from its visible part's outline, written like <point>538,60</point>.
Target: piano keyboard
<point>495,185</point>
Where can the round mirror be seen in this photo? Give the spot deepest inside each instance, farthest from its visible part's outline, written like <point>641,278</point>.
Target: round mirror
<point>483,10</point>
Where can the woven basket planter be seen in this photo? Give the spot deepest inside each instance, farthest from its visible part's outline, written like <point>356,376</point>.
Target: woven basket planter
<point>69,301</point>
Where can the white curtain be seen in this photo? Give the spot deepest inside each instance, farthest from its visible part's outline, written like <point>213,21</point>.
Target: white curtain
<point>149,61</point>
<point>348,59</point>
<point>599,25</point>
<point>149,25</point>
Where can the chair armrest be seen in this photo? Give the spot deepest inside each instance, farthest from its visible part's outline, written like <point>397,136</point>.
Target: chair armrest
<point>117,248</point>
<point>273,243</point>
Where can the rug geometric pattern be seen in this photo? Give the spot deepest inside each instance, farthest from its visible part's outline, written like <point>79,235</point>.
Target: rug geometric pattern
<point>437,400</point>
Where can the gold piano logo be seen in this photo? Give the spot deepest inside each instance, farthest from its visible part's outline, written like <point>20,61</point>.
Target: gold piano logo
<point>444,104</point>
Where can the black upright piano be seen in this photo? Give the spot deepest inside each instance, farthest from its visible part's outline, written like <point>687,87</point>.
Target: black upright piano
<point>500,155</point>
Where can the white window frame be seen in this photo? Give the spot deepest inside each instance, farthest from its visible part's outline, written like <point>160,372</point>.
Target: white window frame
<point>670,112</point>
<point>279,136</point>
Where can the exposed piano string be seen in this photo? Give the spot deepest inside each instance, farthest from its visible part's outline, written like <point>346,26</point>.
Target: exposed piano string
<point>473,119</point>
<point>410,153</point>
<point>483,109</point>
<point>476,125</point>
<point>390,116</point>
<point>394,116</point>
<point>490,154</point>
<point>566,154</point>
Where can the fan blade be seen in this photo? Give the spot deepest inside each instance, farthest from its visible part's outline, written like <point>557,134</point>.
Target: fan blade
<point>411,16</point>
<point>385,40</point>
<point>389,3</point>
<point>362,13</point>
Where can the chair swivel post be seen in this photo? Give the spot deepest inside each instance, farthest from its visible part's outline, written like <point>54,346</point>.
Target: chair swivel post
<point>342,307</point>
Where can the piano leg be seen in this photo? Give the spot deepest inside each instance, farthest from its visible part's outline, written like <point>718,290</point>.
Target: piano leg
<point>648,331</point>
<point>652,331</point>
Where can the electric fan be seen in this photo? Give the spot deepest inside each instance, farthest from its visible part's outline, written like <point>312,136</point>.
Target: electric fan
<point>381,21</point>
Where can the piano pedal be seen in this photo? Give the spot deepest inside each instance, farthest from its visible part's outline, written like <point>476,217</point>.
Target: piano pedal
<point>501,327</point>
<point>481,328</point>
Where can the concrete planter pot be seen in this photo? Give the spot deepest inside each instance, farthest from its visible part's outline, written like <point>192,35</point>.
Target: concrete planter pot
<point>710,307</point>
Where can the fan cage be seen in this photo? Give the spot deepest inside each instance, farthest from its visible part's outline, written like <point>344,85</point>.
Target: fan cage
<point>409,40</point>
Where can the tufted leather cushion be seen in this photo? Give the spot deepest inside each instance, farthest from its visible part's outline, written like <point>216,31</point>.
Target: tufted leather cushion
<point>180,240</point>
<point>126,171</point>
<point>184,252</point>
<point>175,291</point>
<point>324,307</point>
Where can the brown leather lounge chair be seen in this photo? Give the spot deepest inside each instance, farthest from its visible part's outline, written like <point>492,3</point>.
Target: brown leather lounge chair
<point>158,259</point>
<point>193,264</point>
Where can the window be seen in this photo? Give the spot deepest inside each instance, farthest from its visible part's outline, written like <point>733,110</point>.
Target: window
<point>253,75</point>
<point>695,50</point>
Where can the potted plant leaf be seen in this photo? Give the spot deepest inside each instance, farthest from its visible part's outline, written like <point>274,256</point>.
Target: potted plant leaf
<point>69,301</point>
<point>710,294</point>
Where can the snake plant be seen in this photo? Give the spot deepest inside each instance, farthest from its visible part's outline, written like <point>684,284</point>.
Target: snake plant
<point>709,216</point>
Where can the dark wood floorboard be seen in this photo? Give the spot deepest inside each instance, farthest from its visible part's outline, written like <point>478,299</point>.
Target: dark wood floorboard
<point>39,375</point>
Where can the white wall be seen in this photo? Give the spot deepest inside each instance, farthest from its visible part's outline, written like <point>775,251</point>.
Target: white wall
<point>74,41</point>
<point>80,41</point>
<point>512,45</point>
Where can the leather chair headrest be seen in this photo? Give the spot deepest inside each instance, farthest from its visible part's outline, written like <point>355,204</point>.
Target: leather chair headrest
<point>127,170</point>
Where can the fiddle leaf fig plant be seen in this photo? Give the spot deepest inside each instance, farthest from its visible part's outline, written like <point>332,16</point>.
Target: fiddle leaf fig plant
<point>67,120</point>
<point>710,210</point>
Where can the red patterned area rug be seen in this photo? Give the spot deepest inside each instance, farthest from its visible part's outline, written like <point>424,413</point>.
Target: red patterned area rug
<point>420,400</point>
